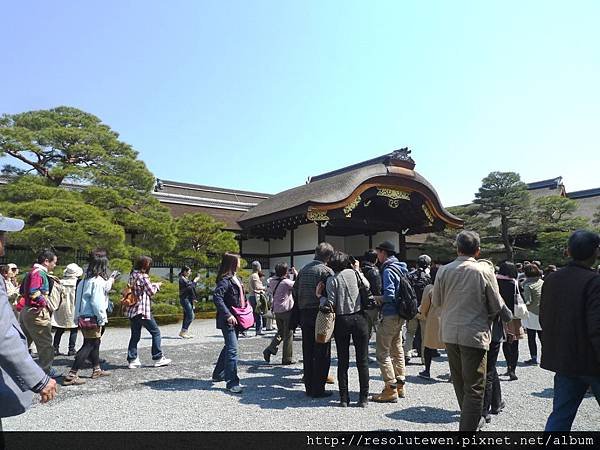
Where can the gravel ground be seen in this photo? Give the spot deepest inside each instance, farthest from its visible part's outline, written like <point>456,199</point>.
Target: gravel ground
<point>183,397</point>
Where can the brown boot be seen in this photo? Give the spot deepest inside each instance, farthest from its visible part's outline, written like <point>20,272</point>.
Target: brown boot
<point>401,389</point>
<point>330,379</point>
<point>388,395</point>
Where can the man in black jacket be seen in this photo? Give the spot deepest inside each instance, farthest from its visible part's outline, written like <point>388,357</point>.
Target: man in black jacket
<point>570,318</point>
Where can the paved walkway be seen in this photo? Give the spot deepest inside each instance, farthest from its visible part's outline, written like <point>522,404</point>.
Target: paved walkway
<point>182,396</point>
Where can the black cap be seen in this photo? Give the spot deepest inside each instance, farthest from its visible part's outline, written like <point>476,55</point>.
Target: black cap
<point>388,246</point>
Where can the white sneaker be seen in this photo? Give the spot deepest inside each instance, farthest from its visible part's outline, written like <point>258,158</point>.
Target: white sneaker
<point>162,362</point>
<point>236,389</point>
<point>135,364</point>
<point>185,335</point>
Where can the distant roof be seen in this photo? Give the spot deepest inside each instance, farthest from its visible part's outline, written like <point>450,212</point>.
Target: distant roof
<point>585,193</point>
<point>553,183</point>
<point>210,189</point>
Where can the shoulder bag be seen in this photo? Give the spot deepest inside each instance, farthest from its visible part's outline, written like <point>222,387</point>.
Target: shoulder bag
<point>367,301</point>
<point>244,314</point>
<point>86,322</point>
<point>521,311</point>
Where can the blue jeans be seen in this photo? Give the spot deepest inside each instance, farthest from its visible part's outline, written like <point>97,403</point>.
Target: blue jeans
<point>188,313</point>
<point>568,394</point>
<point>226,368</point>
<point>136,324</point>
<point>257,317</point>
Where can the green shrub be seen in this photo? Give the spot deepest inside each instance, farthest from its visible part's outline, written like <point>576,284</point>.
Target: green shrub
<point>165,308</point>
<point>205,306</point>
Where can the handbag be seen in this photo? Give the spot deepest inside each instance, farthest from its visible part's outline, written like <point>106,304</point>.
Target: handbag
<point>367,301</point>
<point>324,327</point>
<point>521,311</point>
<point>86,322</point>
<point>244,314</point>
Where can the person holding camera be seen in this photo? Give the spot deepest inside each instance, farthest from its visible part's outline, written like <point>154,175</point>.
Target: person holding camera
<point>187,297</point>
<point>280,288</point>
<point>140,314</point>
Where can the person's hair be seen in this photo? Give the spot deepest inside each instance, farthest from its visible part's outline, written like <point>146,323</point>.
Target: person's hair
<point>582,245</point>
<point>281,269</point>
<point>538,263</point>
<point>508,269</point>
<point>97,264</point>
<point>370,256</point>
<point>424,261</point>
<point>467,242</point>
<point>519,266</point>
<point>143,264</point>
<point>229,265</point>
<point>339,261</point>
<point>45,255</point>
<point>532,270</point>
<point>184,269</point>
<point>323,252</point>
<point>550,268</point>
<point>4,270</point>
<point>256,267</point>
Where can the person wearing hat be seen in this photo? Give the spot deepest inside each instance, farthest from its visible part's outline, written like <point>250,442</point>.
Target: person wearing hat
<point>63,317</point>
<point>11,290</point>
<point>389,351</point>
<point>20,376</point>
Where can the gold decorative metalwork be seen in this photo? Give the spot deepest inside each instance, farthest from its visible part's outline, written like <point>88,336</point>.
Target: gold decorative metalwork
<point>317,215</point>
<point>393,202</point>
<point>352,206</point>
<point>393,194</point>
<point>428,213</point>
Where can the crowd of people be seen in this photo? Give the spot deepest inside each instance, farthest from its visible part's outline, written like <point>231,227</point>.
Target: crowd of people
<point>468,308</point>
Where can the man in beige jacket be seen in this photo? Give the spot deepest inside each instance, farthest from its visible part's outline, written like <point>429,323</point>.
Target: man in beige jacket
<point>467,292</point>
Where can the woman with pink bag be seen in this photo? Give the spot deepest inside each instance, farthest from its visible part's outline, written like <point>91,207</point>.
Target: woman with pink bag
<point>234,314</point>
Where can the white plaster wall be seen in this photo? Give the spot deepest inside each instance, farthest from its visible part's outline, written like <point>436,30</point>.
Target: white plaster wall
<point>356,245</point>
<point>305,237</point>
<point>338,242</point>
<point>255,246</point>
<point>301,261</point>
<point>281,245</point>
<point>274,261</point>
<point>386,236</point>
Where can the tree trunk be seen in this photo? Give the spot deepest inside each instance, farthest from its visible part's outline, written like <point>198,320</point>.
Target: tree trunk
<point>508,248</point>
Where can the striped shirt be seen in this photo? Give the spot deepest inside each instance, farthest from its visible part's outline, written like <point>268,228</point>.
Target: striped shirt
<point>144,290</point>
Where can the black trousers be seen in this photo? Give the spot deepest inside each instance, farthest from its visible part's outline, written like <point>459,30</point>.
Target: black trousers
<point>90,350</point>
<point>492,397</point>
<point>511,353</point>
<point>58,333</point>
<point>531,334</point>
<point>428,356</point>
<point>317,357</point>
<point>353,326</point>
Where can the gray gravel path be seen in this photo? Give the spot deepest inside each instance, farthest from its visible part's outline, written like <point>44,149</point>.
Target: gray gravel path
<point>182,396</point>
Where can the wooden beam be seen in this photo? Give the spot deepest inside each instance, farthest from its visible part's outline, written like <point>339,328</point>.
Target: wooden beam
<point>292,248</point>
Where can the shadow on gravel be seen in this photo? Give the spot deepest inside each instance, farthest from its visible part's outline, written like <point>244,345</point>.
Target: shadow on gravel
<point>546,393</point>
<point>180,384</point>
<point>411,379</point>
<point>425,414</point>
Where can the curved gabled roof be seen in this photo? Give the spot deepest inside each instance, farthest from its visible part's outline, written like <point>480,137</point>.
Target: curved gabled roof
<point>340,187</point>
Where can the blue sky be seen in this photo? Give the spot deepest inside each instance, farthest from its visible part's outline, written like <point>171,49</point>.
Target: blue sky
<point>259,95</point>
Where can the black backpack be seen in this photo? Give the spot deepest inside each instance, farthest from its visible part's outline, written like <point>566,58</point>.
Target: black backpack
<point>406,299</point>
<point>418,280</point>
